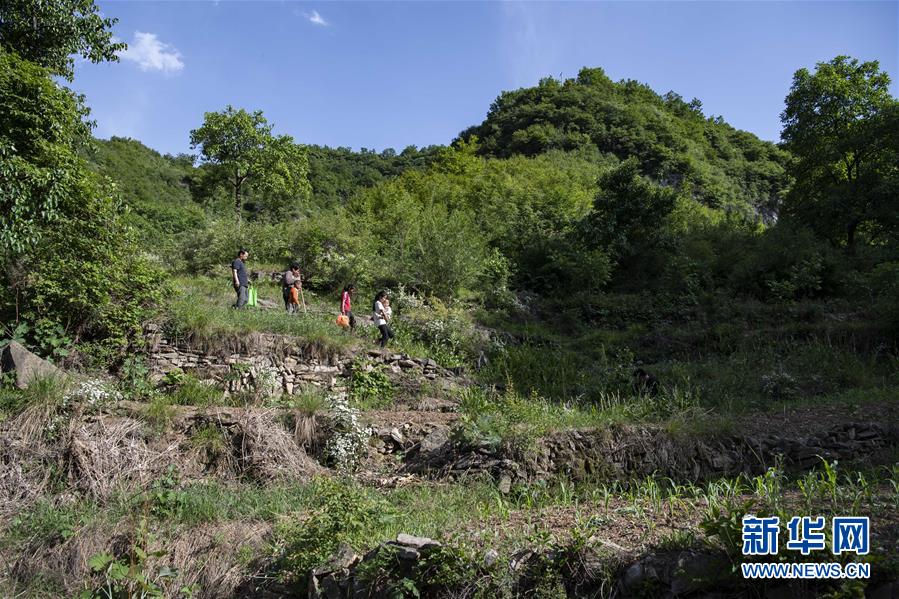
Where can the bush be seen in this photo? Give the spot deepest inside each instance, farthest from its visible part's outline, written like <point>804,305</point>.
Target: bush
<point>341,512</point>
<point>89,276</point>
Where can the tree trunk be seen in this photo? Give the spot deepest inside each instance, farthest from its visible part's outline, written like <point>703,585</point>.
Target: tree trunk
<point>237,183</point>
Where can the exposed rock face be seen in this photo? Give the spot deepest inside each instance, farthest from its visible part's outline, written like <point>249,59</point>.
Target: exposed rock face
<point>25,365</point>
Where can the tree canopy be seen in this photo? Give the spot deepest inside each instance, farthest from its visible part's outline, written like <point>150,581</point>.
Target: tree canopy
<point>40,127</point>
<point>50,32</point>
<point>841,124</point>
<point>240,147</point>
<point>673,142</point>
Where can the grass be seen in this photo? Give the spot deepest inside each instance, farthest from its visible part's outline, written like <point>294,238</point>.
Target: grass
<point>202,311</point>
<point>736,358</point>
<point>38,409</point>
<point>193,392</point>
<point>210,440</point>
<point>643,513</point>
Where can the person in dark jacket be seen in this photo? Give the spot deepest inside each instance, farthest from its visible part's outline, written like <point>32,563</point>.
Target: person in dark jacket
<point>240,279</point>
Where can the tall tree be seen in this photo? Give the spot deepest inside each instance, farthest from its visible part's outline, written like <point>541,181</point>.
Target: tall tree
<point>49,32</point>
<point>241,148</point>
<point>41,124</point>
<point>839,123</point>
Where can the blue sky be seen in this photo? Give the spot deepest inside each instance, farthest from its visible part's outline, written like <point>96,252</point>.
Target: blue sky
<point>392,74</point>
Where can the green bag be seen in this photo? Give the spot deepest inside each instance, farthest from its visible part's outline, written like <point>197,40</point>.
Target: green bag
<point>251,296</point>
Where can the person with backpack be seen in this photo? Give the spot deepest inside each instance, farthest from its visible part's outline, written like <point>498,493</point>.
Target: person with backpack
<point>346,304</point>
<point>288,281</point>
<point>381,318</point>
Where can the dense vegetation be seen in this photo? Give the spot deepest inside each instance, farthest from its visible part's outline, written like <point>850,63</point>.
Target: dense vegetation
<point>673,141</point>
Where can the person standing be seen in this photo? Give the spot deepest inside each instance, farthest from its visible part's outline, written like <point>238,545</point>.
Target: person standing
<point>381,317</point>
<point>240,279</point>
<point>287,283</point>
<point>293,298</point>
<point>346,304</point>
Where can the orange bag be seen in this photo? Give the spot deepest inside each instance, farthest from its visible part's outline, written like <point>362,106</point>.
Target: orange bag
<point>343,321</point>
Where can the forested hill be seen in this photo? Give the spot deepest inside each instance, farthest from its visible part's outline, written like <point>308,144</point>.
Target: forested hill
<point>674,142</point>
<point>154,184</point>
<point>335,174</point>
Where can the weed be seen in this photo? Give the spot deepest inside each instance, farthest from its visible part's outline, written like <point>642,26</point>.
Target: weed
<point>370,387</point>
<point>211,441</point>
<point>341,513</point>
<point>194,392</point>
<point>129,576</point>
<point>159,411</point>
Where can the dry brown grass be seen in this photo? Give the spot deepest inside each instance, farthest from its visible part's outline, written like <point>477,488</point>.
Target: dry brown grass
<point>107,454</point>
<point>268,452</point>
<point>23,473</point>
<point>304,429</point>
<point>213,558</point>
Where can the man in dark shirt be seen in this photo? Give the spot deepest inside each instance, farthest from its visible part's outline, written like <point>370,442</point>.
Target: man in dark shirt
<point>239,278</point>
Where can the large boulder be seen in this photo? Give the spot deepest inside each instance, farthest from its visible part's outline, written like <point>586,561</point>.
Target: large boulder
<point>25,365</point>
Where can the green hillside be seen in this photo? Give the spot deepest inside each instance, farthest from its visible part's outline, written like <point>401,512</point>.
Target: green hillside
<point>156,188</point>
<point>673,140</point>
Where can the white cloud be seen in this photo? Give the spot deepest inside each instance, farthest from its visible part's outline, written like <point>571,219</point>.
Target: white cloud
<point>315,18</point>
<point>150,54</point>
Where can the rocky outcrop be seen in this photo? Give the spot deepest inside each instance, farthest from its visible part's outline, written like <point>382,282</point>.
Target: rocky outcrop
<point>24,365</point>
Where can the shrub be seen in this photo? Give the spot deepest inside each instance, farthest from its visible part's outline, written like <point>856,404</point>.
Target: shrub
<point>341,512</point>
<point>370,387</point>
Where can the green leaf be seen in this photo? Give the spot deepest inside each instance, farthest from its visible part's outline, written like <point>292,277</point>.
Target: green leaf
<point>99,561</point>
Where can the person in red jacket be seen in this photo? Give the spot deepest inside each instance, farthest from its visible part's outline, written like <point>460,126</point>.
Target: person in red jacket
<point>346,305</point>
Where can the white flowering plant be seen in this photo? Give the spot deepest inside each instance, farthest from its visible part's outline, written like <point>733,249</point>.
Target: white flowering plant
<point>92,393</point>
<point>349,443</point>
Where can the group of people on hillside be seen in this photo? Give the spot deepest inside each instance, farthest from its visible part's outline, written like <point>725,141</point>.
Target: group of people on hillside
<point>292,293</point>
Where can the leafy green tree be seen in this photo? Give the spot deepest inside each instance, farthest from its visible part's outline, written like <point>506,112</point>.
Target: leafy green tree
<point>49,32</point>
<point>629,212</point>
<point>40,127</point>
<point>70,263</point>
<point>840,122</point>
<point>244,153</point>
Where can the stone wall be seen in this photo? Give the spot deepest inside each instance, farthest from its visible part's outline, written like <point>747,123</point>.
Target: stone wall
<point>625,452</point>
<point>272,363</point>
